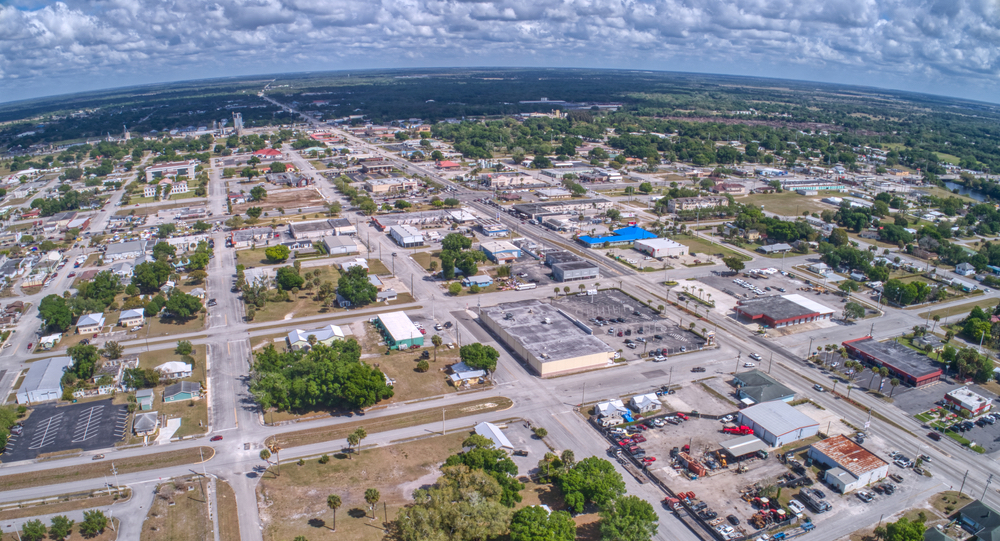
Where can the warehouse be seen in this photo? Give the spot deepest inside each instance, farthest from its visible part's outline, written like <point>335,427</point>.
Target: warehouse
<point>44,380</point>
<point>782,311</point>
<point>625,235</point>
<point>549,208</point>
<point>311,230</point>
<point>549,340</point>
<point>661,247</point>
<point>500,251</point>
<point>340,245</point>
<point>569,267</point>
<point>851,466</point>
<point>398,331</point>
<point>777,423</point>
<point>406,236</point>
<point>743,447</point>
<point>913,368</point>
<point>343,226</point>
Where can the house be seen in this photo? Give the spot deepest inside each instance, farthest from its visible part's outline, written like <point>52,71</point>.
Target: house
<point>963,399</point>
<point>481,281</point>
<point>461,372</point>
<point>90,323</point>
<point>132,317</point>
<point>358,262</point>
<point>198,292</point>
<point>645,403</point>
<point>144,399</point>
<point>611,408</point>
<point>980,520</point>
<point>174,370</point>
<point>123,270</point>
<point>43,381</point>
<point>299,339</point>
<point>182,390</point>
<point>386,295</point>
<point>820,268</point>
<point>778,248</point>
<point>965,269</point>
<point>50,341</point>
<point>492,432</point>
<point>146,423</point>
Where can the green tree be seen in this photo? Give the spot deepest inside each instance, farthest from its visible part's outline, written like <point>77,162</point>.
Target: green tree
<point>590,480</point>
<point>849,286</point>
<point>734,263</point>
<point>33,530</point>
<point>356,437</point>
<point>278,167</point>
<point>334,503</point>
<point>628,518</point>
<point>478,356</point>
<point>455,288</point>
<point>61,527</point>
<point>277,253</point>
<point>55,314</point>
<point>451,202</point>
<point>150,276</point>
<point>201,226</point>
<point>184,347</point>
<point>853,310</point>
<point>436,341</point>
<point>254,212</point>
<point>182,305</point>
<point>165,230</point>
<point>534,523</point>
<point>354,286</point>
<point>94,523</point>
<point>85,358</point>
<point>113,350</point>
<point>540,432</point>
<point>163,251</point>
<point>904,530</point>
<point>482,456</point>
<point>287,278</point>
<point>372,497</point>
<point>456,242</point>
<point>463,505</point>
<point>838,237</point>
<point>258,193</point>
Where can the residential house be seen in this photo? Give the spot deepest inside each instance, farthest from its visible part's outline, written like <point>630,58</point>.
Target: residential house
<point>965,269</point>
<point>144,399</point>
<point>145,423</point>
<point>182,390</point>
<point>299,339</point>
<point>90,323</point>
<point>646,403</point>
<point>174,370</point>
<point>132,317</point>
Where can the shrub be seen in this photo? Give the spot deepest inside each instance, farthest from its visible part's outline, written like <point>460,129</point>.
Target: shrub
<point>423,366</point>
<point>324,459</point>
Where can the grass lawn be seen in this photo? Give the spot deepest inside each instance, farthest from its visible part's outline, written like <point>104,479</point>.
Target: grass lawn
<point>97,469</point>
<point>937,191</point>
<point>789,203</point>
<point>411,384</point>
<point>301,305</point>
<point>962,309</point>
<point>294,503</point>
<point>61,506</point>
<point>179,512</point>
<point>193,413</point>
<point>878,243</point>
<point>699,245</point>
<point>949,501</point>
<point>229,519</point>
<point>252,257</point>
<point>156,326</point>
<point>389,422</point>
<point>375,266</point>
<point>424,259</point>
<point>280,344</point>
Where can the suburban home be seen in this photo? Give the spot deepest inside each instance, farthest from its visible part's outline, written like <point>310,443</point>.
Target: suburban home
<point>481,281</point>
<point>198,292</point>
<point>299,339</point>
<point>123,269</point>
<point>645,403</point>
<point>144,399</point>
<point>182,390</point>
<point>174,370</point>
<point>612,409</point>
<point>492,432</point>
<point>146,423</point>
<point>965,269</point>
<point>90,323</point>
<point>461,372</point>
<point>386,295</point>
<point>132,317</point>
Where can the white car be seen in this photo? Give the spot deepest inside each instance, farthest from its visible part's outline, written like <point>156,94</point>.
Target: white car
<point>755,357</point>
<point>727,419</point>
<point>749,365</point>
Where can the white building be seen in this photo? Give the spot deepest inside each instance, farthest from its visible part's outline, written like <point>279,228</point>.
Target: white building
<point>44,380</point>
<point>90,323</point>
<point>132,317</point>
<point>406,236</point>
<point>299,339</point>
<point>174,370</point>
<point>661,247</point>
<point>492,432</point>
<point>777,423</point>
<point>645,403</point>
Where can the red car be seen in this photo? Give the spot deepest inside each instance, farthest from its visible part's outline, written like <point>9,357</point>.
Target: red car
<point>216,438</point>
<point>29,346</point>
<point>423,331</point>
<point>72,274</point>
<point>649,459</point>
<point>682,416</point>
<point>639,439</point>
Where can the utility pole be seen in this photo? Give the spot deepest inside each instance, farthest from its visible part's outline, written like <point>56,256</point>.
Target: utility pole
<point>738,355</point>
<point>987,487</point>
<point>583,397</point>
<point>443,432</point>
<point>871,333</point>
<point>770,362</point>
<point>809,352</point>
<point>114,471</point>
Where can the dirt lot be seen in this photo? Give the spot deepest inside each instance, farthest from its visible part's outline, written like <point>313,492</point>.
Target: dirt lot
<point>288,199</point>
<point>179,512</point>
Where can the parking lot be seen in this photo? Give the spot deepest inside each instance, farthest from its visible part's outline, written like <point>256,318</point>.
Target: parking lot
<point>633,323</point>
<point>536,272</point>
<point>51,429</point>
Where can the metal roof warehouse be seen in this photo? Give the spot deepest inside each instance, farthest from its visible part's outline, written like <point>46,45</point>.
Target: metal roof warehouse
<point>784,310</point>
<point>912,367</point>
<point>777,423</point>
<point>625,235</point>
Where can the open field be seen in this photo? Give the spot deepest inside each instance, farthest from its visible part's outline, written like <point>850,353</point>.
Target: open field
<point>391,422</point>
<point>701,246</point>
<point>229,519</point>
<point>961,309</point>
<point>789,203</point>
<point>179,512</point>
<point>424,259</point>
<point>156,326</point>
<point>301,305</point>
<point>411,384</point>
<point>294,503</point>
<point>290,199</point>
<point>92,470</point>
<point>60,506</point>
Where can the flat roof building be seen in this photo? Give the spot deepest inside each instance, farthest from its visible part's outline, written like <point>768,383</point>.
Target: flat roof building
<point>493,228</point>
<point>572,271</point>
<point>500,251</point>
<point>311,230</point>
<point>692,203</point>
<point>661,247</point>
<point>850,465</point>
<point>743,446</point>
<point>398,331</point>
<point>172,169</point>
<point>964,399</point>
<point>754,387</point>
<point>406,236</point>
<point>625,235</point>
<point>125,250</point>
<point>548,208</point>
<point>782,311</point>
<point>44,380</point>
<point>551,341</point>
<point>777,424</point>
<point>914,368</point>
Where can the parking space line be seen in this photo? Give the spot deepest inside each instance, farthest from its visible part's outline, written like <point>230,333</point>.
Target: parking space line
<point>49,431</point>
<point>87,424</point>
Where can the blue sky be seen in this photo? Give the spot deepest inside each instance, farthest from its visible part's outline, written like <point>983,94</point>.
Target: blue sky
<point>949,47</point>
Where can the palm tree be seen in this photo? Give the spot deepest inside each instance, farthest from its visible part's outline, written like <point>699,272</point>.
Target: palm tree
<point>582,287</point>
<point>360,433</point>
<point>372,496</point>
<point>597,285</point>
<point>700,292</point>
<point>352,440</point>
<point>936,318</point>
<point>312,340</point>
<point>894,382</point>
<point>876,371</point>
<point>437,341</point>
<point>849,387</point>
<point>265,455</point>
<point>333,502</point>
<point>557,292</point>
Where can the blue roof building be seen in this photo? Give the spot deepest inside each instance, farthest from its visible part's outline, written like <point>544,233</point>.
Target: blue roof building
<point>625,235</point>
<point>481,281</point>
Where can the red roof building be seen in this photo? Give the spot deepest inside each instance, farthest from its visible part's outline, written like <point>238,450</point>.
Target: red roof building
<point>448,165</point>
<point>268,152</point>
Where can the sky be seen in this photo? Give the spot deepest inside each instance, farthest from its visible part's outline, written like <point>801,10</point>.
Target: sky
<point>946,47</point>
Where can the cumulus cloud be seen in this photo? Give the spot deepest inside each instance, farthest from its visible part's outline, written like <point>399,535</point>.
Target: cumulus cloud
<point>947,46</point>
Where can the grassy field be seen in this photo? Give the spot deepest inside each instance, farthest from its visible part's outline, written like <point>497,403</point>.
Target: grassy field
<point>301,305</point>
<point>961,309</point>
<point>252,257</point>
<point>788,203</point>
<point>179,512</point>
<point>155,326</point>
<point>943,193</point>
<point>294,503</point>
<point>193,413</point>
<point>390,422</point>
<point>411,384</point>
<point>424,259</point>
<point>92,470</point>
<point>229,519</point>
<point>701,246</point>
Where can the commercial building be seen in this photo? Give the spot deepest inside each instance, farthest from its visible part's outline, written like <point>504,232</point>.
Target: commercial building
<point>625,235</point>
<point>913,368</point>
<point>782,311</point>
<point>90,323</point>
<point>661,247</point>
<point>743,446</point>
<point>963,399</point>
<point>165,188</point>
<point>755,387</point>
<point>693,203</point>
<point>311,230</point>
<point>778,424</point>
<point>812,185</point>
<point>573,206</point>
<point>398,331</point>
<point>492,432</point>
<point>479,281</point>
<point>293,180</point>
<point>390,185</point>
<point>299,339</point>
<point>171,169</point>
<point>340,245</point>
<point>406,236</point>
<point>777,248</point>
<point>980,520</point>
<point>125,250</point>
<point>500,251</point>
<point>551,341</point>
<point>343,226</point>
<point>493,228</point>
<point>245,238</point>
<point>850,465</point>
<point>569,267</point>
<point>44,380</point>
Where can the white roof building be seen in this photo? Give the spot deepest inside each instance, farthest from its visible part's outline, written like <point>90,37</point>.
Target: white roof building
<point>646,402</point>
<point>175,369</point>
<point>492,432</point>
<point>299,338</point>
<point>44,380</point>
<point>611,408</point>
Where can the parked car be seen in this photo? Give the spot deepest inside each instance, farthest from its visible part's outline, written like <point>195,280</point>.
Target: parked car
<point>520,452</point>
<point>934,436</point>
<point>698,369</point>
<point>733,520</point>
